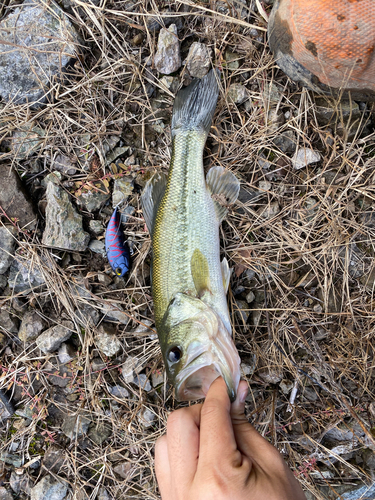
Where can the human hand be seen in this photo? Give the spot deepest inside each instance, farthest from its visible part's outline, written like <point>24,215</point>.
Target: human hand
<point>211,451</point>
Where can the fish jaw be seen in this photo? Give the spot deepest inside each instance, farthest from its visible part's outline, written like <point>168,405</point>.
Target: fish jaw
<point>205,362</point>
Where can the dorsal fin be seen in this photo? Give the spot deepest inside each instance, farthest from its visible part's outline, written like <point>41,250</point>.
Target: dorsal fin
<point>151,198</point>
<point>200,272</point>
<point>225,187</point>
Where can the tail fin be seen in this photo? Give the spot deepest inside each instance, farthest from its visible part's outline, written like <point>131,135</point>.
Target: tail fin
<point>195,105</point>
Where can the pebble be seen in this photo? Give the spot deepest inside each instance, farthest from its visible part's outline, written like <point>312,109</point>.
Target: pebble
<point>271,375</point>
<point>13,199</point>
<point>7,247</point>
<point>75,426</point>
<point>270,210</point>
<point>64,165</point>
<point>167,58</point>
<point>237,93</point>
<point>8,322</point>
<point>19,482</point>
<point>131,366</point>
<point>63,223</point>
<point>25,73</point>
<point>198,61</point>
<point>115,153</point>
<point>106,341</point>
<point>98,246</point>
<point>241,313</point>
<point>103,494</point>
<point>286,386</point>
<point>250,297</point>
<point>27,140</point>
<point>157,377</point>
<point>146,418</point>
<point>31,326</point>
<point>49,488</point>
<point>92,200</point>
<point>5,494</point>
<point>119,392</point>
<point>304,157</point>
<point>122,189</point>
<point>24,276</point>
<point>87,315</point>
<point>170,82</point>
<point>123,469</point>
<point>99,432</point>
<point>232,60</point>
<point>114,312</point>
<point>142,381</point>
<point>265,186</point>
<point>271,94</point>
<point>54,459</point>
<point>6,407</point>
<point>96,227</point>
<point>286,142</point>
<point>52,338</point>
<point>66,353</point>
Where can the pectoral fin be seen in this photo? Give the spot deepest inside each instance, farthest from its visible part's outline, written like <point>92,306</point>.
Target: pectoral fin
<point>226,272</point>
<point>200,272</point>
<point>151,198</point>
<point>225,187</point>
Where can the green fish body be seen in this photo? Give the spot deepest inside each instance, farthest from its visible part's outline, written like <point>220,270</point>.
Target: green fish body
<point>189,283</point>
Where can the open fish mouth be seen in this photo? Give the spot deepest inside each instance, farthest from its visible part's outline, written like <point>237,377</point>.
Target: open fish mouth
<point>204,364</point>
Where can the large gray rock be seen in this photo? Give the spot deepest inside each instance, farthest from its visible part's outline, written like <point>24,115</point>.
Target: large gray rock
<point>52,338</point>
<point>7,246</point>
<point>63,223</point>
<point>92,200</point>
<point>38,42</point>
<point>24,276</point>
<point>31,326</point>
<point>49,488</point>
<point>167,58</point>
<point>13,200</point>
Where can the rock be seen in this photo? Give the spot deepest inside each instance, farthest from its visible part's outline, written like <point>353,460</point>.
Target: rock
<point>75,426</point>
<point>54,459</point>
<point>12,198</point>
<point>5,494</point>
<point>271,94</point>
<point>19,482</point>
<point>27,140</point>
<point>250,297</point>
<point>167,58</point>
<point>364,493</point>
<point>99,432</point>
<point>122,189</point>
<point>275,119</point>
<point>98,246</point>
<point>25,73</point>
<point>157,377</point>
<point>103,494</point>
<point>24,276</point>
<point>344,110</point>
<point>8,322</point>
<point>63,223</point>
<point>64,165</point>
<point>142,382</point>
<point>271,375</point>
<point>11,459</point>
<point>246,369</point>
<point>304,157</point>
<point>270,210</point>
<point>146,418</point>
<point>265,186</point>
<point>353,260</point>
<point>114,312</point>
<point>7,246</point>
<point>123,469</point>
<point>31,326</point>
<point>96,227</point>
<point>198,61</point>
<point>237,93</point>
<point>106,341</point>
<point>369,458</point>
<point>241,313</point>
<point>286,386</point>
<point>49,488</point>
<point>87,315</point>
<point>52,338</point>
<point>6,407</point>
<point>93,200</point>
<point>66,353</point>
<point>3,281</point>
<point>170,82</point>
<point>104,279</point>
<point>115,153</point>
<point>286,142</point>
<point>232,60</point>
<point>119,392</point>
<point>131,366</point>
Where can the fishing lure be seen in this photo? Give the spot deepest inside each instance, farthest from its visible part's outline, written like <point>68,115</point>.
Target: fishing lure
<point>118,254</point>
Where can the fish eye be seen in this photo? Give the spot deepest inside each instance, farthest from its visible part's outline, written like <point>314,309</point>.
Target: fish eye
<point>118,271</point>
<point>174,354</point>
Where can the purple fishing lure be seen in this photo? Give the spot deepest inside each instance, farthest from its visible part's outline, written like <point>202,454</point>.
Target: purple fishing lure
<point>118,254</point>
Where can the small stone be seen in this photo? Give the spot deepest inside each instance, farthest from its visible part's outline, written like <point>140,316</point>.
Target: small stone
<point>246,369</point>
<point>92,200</point>
<point>103,494</point>
<point>6,407</point>
<point>123,469</point>
<point>96,227</point>
<point>270,210</point>
<point>24,276</point>
<point>343,110</point>
<point>7,247</point>
<point>265,186</point>
<point>13,199</point>
<point>142,382</point>
<point>250,297</point>
<point>98,246</point>
<point>99,432</point>
<point>63,223</point>
<point>106,341</point>
<point>232,60</point>
<point>115,153</point>
<point>144,328</point>
<point>122,189</point>
<point>237,93</point>
<point>167,58</point>
<point>3,281</point>
<point>275,119</point>
<point>369,458</point>
<point>286,386</point>
<point>54,459</point>
<point>27,140</point>
<point>114,312</point>
<point>286,142</point>
<point>19,483</point>
<point>8,322</point>
<point>198,61</point>
<point>119,392</point>
<point>75,426</point>
<point>157,377</point>
<point>64,165</point>
<point>104,279</point>
<point>138,39</point>
<point>49,488</point>
<point>304,157</point>
<point>241,312</point>
<point>271,95</point>
<point>11,459</point>
<point>66,353</point>
<point>271,375</point>
<point>87,315</point>
<point>131,366</point>
<point>52,338</point>
<point>31,326</point>
<point>170,82</point>
<point>146,418</point>
<point>5,494</point>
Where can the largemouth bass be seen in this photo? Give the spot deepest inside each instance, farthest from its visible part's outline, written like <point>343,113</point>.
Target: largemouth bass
<point>189,283</point>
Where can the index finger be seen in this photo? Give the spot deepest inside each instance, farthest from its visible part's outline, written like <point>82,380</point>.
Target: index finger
<point>217,441</point>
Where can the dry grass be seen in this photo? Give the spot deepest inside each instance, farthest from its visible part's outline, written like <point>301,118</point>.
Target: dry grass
<point>309,333</point>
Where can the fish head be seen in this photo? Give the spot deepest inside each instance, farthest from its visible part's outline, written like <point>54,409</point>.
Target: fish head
<point>197,349</point>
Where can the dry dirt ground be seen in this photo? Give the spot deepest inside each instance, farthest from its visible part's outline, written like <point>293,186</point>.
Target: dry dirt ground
<point>302,241</point>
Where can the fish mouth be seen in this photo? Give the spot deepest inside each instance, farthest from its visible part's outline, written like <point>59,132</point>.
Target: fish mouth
<point>204,364</point>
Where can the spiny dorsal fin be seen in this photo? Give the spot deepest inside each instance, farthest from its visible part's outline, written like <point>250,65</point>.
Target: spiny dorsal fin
<point>225,187</point>
<point>200,272</point>
<point>225,272</point>
<point>151,197</point>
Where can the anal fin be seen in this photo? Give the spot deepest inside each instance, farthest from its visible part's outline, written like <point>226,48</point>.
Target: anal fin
<point>151,198</point>
<point>224,187</point>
